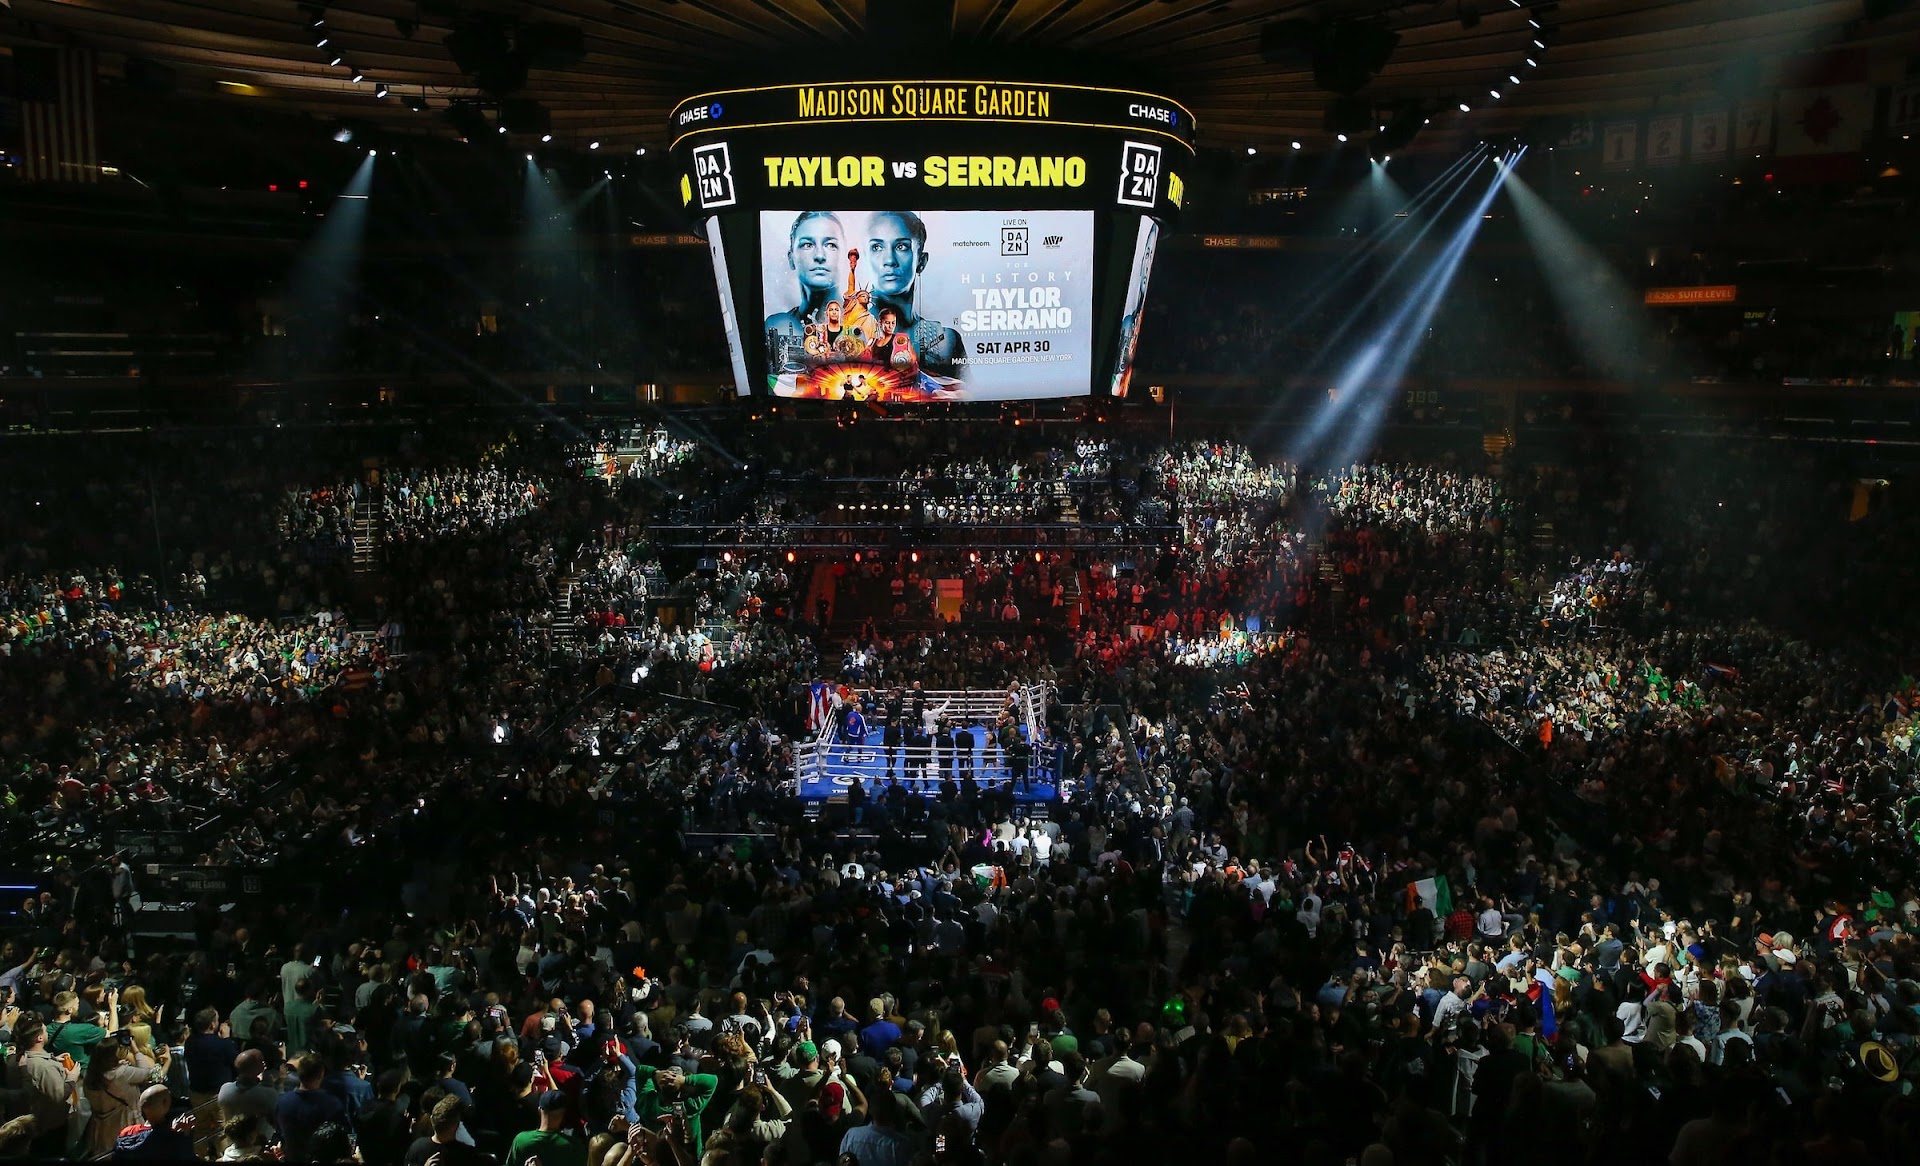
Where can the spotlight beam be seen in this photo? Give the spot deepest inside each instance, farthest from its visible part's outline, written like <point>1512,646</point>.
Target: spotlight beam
<point>1603,315</point>
<point>1400,338</point>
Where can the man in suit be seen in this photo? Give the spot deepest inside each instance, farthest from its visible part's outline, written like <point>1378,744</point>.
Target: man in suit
<point>894,735</point>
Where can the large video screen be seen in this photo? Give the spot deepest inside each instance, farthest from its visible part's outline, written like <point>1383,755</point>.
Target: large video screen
<point>900,305</point>
<point>1143,247</point>
<point>931,241</point>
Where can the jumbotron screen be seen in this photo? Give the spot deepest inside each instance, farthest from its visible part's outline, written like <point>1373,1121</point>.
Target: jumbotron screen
<point>931,241</point>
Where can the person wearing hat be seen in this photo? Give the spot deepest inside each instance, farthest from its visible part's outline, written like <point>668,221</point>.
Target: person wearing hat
<point>798,1080</point>
<point>154,1139</point>
<point>551,1143</point>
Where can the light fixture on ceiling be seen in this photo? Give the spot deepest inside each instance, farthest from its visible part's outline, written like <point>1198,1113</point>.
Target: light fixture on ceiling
<point>546,137</point>
<point>593,145</point>
<point>1465,108</point>
<point>1341,137</point>
<point>1296,145</point>
<point>380,90</point>
<point>640,152</point>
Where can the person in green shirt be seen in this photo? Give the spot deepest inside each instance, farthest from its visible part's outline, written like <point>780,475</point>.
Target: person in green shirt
<point>301,1012</point>
<point>77,1038</point>
<point>659,1093</point>
<point>550,1143</point>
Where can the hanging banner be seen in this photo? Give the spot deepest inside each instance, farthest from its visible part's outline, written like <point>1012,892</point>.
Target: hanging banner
<point>1753,128</point>
<point>1620,145</point>
<point>1664,140</point>
<point>1709,141</point>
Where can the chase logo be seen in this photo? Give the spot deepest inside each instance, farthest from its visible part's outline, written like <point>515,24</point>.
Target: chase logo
<point>1013,240</point>
<point>713,112</point>
<point>1167,117</point>
<point>713,172</point>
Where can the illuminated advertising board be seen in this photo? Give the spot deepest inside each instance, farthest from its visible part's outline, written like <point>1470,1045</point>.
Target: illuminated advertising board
<point>1018,207</point>
<point>1143,247</point>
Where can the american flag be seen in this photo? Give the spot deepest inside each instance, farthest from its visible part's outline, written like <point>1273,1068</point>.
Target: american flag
<point>55,87</point>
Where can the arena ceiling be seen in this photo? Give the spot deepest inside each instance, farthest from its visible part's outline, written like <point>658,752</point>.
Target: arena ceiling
<point>635,57</point>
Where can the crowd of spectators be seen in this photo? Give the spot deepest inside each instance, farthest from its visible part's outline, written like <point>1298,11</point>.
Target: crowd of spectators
<point>1410,823</point>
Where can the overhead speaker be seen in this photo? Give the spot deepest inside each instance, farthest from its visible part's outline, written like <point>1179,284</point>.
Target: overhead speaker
<point>1350,53</point>
<point>468,119</point>
<point>523,115</point>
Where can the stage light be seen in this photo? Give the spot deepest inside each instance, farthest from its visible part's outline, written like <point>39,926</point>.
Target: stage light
<point>529,157</point>
<point>343,135</point>
<point>358,77</point>
<point>502,129</point>
<point>593,145</point>
<point>1385,158</point>
<point>1496,94</point>
<point>1341,137</point>
<point>416,104</point>
<point>1296,145</point>
<point>320,43</point>
<point>789,556</point>
<point>726,556</point>
<point>1465,108</point>
<point>1539,44</point>
<point>1251,150</point>
<point>1533,22</point>
<point>1531,63</point>
<point>640,152</point>
<point>1513,78</point>
<point>336,60</point>
<point>546,137</point>
<point>373,153</point>
<point>380,90</point>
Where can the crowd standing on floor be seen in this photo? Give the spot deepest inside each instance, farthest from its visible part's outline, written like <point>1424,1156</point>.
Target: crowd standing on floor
<point>1394,837</point>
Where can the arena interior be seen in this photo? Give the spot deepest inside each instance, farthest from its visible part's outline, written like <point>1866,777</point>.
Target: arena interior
<point>959,582</point>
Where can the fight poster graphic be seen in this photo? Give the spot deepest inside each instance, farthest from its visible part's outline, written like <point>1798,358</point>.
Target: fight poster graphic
<point>1142,271</point>
<point>899,305</point>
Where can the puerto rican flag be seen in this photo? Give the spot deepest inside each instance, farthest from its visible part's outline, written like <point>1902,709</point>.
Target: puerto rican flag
<point>819,706</point>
